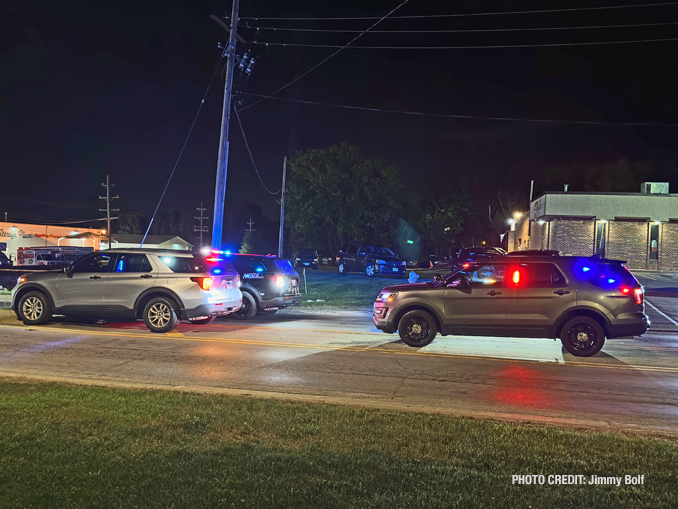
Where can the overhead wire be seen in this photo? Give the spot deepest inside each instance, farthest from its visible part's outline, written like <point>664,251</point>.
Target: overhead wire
<point>329,57</point>
<point>460,15</point>
<point>237,115</point>
<point>465,30</point>
<point>484,46</point>
<point>469,117</point>
<point>216,68</point>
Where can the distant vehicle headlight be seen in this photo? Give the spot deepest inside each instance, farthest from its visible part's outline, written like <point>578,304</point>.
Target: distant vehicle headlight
<point>380,262</point>
<point>298,259</point>
<point>386,297</point>
<point>403,263</point>
<point>315,260</point>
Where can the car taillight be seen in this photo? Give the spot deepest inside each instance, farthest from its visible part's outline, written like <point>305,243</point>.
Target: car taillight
<point>638,294</point>
<point>279,281</point>
<point>203,282</point>
<point>516,277</point>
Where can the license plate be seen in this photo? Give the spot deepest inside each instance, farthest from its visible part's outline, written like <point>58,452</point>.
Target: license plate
<point>395,269</point>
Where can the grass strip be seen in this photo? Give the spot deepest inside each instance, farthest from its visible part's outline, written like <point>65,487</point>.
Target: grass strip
<point>78,447</point>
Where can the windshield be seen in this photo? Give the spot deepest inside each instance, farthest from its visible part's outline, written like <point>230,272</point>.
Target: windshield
<point>281,265</point>
<point>307,252</point>
<point>380,250</point>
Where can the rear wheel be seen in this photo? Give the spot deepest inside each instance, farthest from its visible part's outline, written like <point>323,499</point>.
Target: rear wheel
<point>159,315</point>
<point>35,309</point>
<point>248,308</point>
<point>204,321</point>
<point>582,336</point>
<point>417,328</point>
<point>341,268</point>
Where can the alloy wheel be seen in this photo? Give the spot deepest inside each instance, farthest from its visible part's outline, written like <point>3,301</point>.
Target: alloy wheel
<point>417,329</point>
<point>32,308</point>
<point>159,315</point>
<point>582,337</point>
<point>369,270</point>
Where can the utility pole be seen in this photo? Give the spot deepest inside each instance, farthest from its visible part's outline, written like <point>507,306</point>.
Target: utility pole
<point>202,229</point>
<point>250,230</point>
<point>282,210</point>
<point>108,208</point>
<point>222,161</point>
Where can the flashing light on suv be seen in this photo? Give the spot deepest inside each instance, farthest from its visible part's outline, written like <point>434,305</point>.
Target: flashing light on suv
<point>636,292</point>
<point>387,297</point>
<point>279,281</point>
<point>214,259</point>
<point>203,282</point>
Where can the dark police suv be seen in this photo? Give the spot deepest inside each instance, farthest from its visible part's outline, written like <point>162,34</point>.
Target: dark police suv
<point>370,260</point>
<point>580,300</point>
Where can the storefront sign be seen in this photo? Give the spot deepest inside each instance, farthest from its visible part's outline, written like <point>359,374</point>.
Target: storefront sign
<point>19,234</point>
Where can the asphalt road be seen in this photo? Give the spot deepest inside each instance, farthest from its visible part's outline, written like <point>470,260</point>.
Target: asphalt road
<point>632,384</point>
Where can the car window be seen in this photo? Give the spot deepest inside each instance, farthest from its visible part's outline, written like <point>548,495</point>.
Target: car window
<point>382,251</point>
<point>536,275</point>
<point>352,249</point>
<point>98,262</point>
<point>344,248</point>
<point>133,263</point>
<point>183,264</point>
<point>255,266</point>
<point>483,276</point>
<point>284,266</point>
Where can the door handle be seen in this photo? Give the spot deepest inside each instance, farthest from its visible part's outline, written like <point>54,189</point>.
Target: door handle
<point>95,277</point>
<point>146,276</point>
<point>561,292</point>
<point>493,293</point>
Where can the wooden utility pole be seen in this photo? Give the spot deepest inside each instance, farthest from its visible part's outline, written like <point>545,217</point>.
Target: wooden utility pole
<point>108,208</point>
<point>282,211</point>
<point>222,162</point>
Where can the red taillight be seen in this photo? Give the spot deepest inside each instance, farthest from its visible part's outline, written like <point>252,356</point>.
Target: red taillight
<point>279,281</point>
<point>638,295</point>
<point>214,259</point>
<point>625,290</point>
<point>466,266</point>
<point>516,277</point>
<point>203,282</point>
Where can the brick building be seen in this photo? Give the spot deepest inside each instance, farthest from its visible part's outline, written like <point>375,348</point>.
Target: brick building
<point>641,228</point>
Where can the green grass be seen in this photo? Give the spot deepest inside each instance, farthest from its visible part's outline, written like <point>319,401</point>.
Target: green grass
<point>70,446</point>
<point>352,291</point>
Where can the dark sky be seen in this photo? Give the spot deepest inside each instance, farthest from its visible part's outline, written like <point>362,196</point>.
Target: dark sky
<point>89,87</point>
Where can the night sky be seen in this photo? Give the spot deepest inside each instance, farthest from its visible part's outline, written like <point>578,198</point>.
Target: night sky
<point>95,87</point>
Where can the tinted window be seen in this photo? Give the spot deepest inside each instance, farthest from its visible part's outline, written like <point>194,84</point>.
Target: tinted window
<point>183,264</point>
<point>133,263</point>
<point>537,275</point>
<point>307,253</point>
<point>352,249</point>
<point>487,275</point>
<point>380,250</point>
<point>98,262</point>
<point>284,266</point>
<point>344,248</point>
<point>606,275</point>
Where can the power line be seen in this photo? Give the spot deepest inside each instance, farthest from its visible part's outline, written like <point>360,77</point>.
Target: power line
<point>461,15</point>
<point>486,46</point>
<point>332,55</point>
<point>460,31</point>
<point>250,153</point>
<point>469,117</point>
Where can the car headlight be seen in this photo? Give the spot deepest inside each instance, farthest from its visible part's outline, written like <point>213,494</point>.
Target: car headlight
<point>380,262</point>
<point>386,297</point>
<point>298,259</point>
<point>315,260</point>
<point>403,263</point>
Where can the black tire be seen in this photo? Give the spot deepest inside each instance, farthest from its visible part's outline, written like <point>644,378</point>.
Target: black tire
<point>204,321</point>
<point>35,309</point>
<point>248,308</point>
<point>417,328</point>
<point>270,312</point>
<point>160,315</point>
<point>341,268</point>
<point>582,336</point>
<point>370,269</point>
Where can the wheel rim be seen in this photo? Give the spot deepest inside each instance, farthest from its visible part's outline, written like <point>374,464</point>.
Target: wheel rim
<point>32,308</point>
<point>341,268</point>
<point>417,330</point>
<point>244,308</point>
<point>369,270</point>
<point>159,315</point>
<point>582,337</point>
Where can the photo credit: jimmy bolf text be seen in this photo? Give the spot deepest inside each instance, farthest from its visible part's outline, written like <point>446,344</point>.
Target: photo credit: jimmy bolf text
<point>579,479</point>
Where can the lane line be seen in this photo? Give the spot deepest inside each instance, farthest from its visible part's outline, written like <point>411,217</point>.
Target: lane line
<point>661,313</point>
<point>366,349</point>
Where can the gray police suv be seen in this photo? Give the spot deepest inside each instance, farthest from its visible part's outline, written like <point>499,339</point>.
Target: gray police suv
<point>159,286</point>
<point>578,299</point>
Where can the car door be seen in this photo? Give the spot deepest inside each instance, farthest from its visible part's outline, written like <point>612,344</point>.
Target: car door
<point>361,259</point>
<point>132,274</point>
<point>538,293</point>
<point>81,287</point>
<point>350,256</point>
<point>475,301</point>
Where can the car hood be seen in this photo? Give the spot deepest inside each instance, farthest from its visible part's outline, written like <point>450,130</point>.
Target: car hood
<point>384,257</point>
<point>40,275</point>
<point>407,287</point>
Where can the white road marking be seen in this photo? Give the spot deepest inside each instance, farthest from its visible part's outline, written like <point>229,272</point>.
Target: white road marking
<point>661,312</point>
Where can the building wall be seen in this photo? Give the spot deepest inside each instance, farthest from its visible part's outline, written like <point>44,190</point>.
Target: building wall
<point>668,246</point>
<point>572,237</point>
<point>18,235</point>
<point>629,241</point>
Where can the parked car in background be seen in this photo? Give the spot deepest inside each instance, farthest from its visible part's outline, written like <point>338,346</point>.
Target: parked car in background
<point>581,300</point>
<point>4,261</point>
<point>370,260</point>
<point>472,254</point>
<point>159,286</point>
<point>306,258</point>
<point>268,284</point>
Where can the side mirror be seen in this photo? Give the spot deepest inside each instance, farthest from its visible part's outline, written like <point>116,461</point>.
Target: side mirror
<point>438,278</point>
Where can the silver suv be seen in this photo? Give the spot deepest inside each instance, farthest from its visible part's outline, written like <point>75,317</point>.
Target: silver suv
<point>159,286</point>
<point>580,300</point>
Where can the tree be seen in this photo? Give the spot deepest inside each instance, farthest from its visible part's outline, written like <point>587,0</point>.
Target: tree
<point>335,195</point>
<point>249,242</point>
<point>128,222</point>
<point>441,221</point>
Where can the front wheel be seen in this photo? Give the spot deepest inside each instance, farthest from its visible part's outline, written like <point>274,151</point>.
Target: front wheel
<point>341,268</point>
<point>417,328</point>
<point>248,308</point>
<point>582,336</point>
<point>159,315</point>
<point>369,270</point>
<point>35,309</point>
